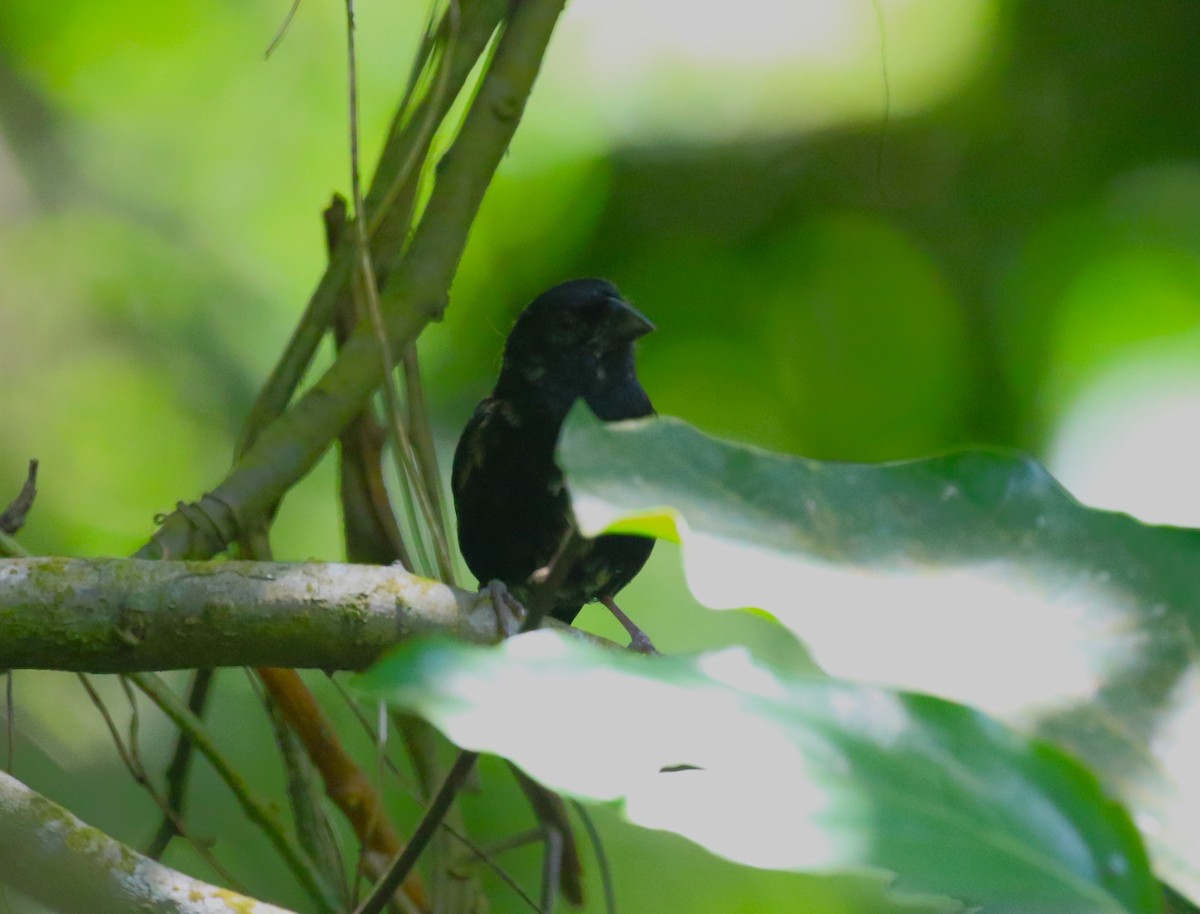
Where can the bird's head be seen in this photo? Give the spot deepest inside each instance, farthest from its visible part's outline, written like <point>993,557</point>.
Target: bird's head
<point>577,333</point>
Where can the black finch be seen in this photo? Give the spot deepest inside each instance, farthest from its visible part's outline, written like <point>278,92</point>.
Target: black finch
<point>572,342</point>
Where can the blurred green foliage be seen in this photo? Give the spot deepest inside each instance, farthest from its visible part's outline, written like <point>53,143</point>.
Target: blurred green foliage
<point>861,236</point>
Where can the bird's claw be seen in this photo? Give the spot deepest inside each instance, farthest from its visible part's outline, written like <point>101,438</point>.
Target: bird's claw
<point>510,614</point>
<point>639,643</point>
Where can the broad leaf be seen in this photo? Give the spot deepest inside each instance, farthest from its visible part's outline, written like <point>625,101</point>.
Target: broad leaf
<point>973,575</point>
<point>789,772</point>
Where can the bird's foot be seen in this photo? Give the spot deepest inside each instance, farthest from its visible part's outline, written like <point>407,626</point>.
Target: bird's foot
<point>510,614</point>
<point>639,641</point>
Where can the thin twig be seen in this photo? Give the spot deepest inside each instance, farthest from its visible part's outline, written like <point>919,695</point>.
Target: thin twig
<point>430,822</point>
<point>287,21</point>
<point>134,724</point>
<point>256,810</point>
<point>369,524</point>
<point>13,517</point>
<point>180,767</point>
<point>541,600</point>
<point>561,867</point>
<point>368,288</point>
<point>126,759</point>
<point>296,703</point>
<point>485,855</point>
<point>420,431</point>
<point>407,463</point>
<point>515,841</point>
<point>424,135</point>
<point>420,59</point>
<point>589,827</point>
<point>313,827</point>
<point>409,788</point>
<point>345,782</point>
<point>133,763</point>
<point>10,706</point>
<point>379,739</point>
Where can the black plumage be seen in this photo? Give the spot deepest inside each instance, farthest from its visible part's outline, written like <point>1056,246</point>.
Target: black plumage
<point>572,342</point>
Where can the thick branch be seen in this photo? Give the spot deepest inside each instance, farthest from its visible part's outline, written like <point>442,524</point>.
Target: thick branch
<point>56,859</point>
<point>127,615</point>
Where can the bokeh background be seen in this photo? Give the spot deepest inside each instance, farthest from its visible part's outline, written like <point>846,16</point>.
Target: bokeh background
<point>866,231</point>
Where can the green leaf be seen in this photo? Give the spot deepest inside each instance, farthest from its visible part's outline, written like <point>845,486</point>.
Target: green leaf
<point>974,576</point>
<point>788,772</point>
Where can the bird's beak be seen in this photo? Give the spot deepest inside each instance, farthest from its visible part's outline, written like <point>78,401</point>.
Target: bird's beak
<point>627,322</point>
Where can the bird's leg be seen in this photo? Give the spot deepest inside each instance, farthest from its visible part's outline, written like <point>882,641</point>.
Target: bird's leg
<point>638,640</point>
<point>508,609</point>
